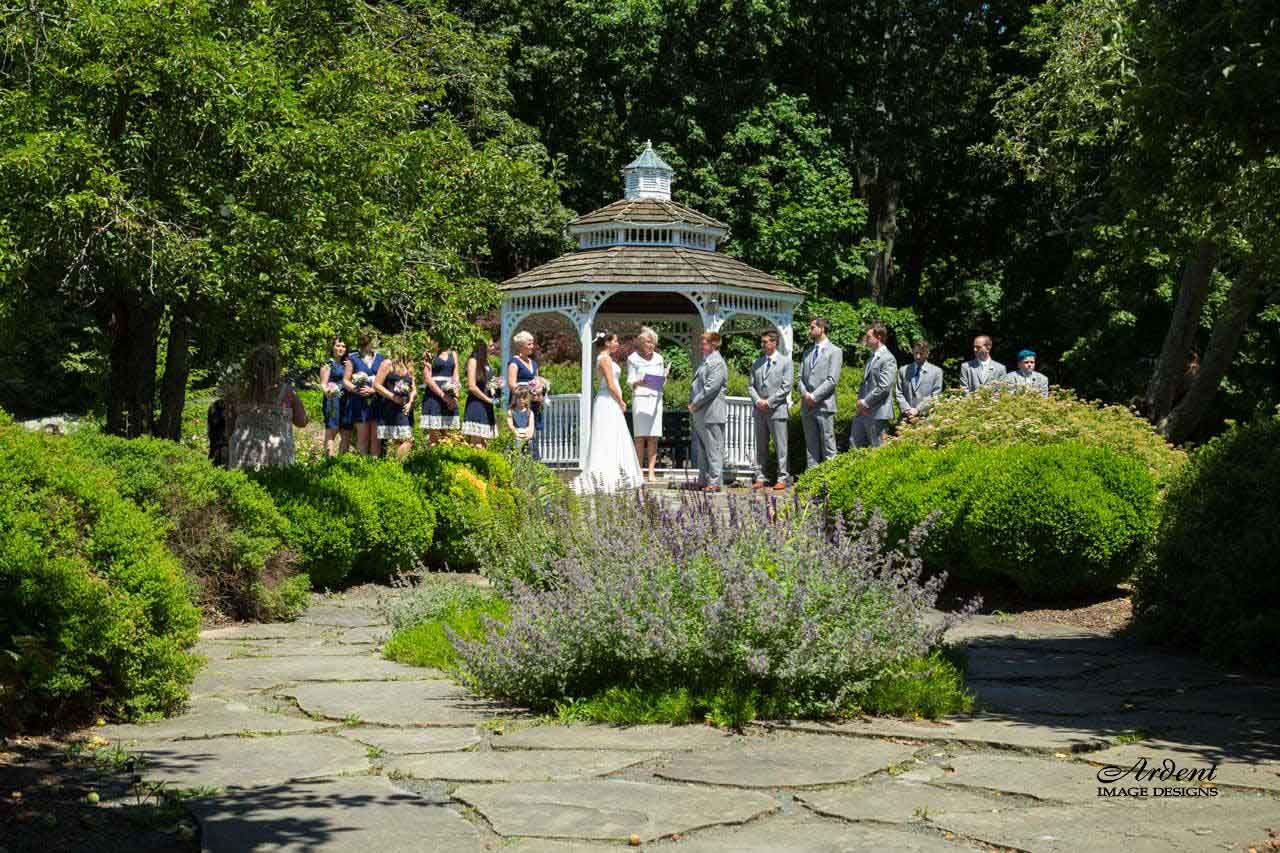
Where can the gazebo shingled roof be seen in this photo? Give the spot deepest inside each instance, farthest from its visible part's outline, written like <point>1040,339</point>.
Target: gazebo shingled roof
<point>624,265</point>
<point>646,210</point>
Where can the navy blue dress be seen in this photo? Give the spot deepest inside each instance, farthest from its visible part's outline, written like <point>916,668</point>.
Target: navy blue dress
<point>478,419</point>
<point>435,415</point>
<point>394,423</point>
<point>523,376</point>
<point>366,409</point>
<point>337,409</point>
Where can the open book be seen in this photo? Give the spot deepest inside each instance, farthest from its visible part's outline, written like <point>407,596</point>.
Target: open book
<point>654,381</point>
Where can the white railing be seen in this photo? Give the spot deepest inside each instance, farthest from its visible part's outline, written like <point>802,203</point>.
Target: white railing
<point>559,440</point>
<point>739,435</point>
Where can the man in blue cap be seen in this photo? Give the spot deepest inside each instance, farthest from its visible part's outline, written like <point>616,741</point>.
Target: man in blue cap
<point>1025,378</point>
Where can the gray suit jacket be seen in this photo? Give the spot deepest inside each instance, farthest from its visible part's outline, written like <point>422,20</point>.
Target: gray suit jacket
<point>920,397</point>
<point>820,378</point>
<point>972,376</point>
<point>1037,381</point>
<point>708,392</point>
<point>876,389</point>
<point>773,385</point>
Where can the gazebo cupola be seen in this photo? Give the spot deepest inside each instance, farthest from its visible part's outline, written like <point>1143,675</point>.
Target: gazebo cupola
<point>646,215</point>
<point>644,259</point>
<point>648,176</point>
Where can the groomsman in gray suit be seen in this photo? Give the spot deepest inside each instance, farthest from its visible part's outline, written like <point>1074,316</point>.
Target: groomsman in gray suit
<point>875,394</point>
<point>819,374</point>
<point>710,412</point>
<point>771,378</point>
<point>918,383</point>
<point>982,369</point>
<point>1026,377</point>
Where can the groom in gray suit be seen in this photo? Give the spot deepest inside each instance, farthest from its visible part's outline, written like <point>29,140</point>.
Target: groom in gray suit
<point>875,394</point>
<point>819,374</point>
<point>710,412</point>
<point>771,379</point>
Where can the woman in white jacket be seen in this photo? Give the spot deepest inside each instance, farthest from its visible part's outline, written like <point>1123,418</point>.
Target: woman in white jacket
<point>646,401</point>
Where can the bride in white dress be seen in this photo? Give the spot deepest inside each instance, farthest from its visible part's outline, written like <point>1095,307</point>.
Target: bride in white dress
<point>611,458</point>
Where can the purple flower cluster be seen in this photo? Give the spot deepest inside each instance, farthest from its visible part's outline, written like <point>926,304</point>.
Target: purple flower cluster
<point>782,598</point>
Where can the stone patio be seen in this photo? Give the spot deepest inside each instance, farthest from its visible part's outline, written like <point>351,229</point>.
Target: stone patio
<point>301,738</point>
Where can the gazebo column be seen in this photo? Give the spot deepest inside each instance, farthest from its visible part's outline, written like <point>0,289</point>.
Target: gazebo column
<point>509,322</point>
<point>585,335</point>
<point>786,335</point>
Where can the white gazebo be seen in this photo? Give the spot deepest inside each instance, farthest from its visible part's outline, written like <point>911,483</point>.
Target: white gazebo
<point>644,259</point>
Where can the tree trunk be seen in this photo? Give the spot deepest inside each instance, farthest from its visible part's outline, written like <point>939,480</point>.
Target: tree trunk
<point>1172,364</point>
<point>1190,412</point>
<point>881,196</point>
<point>131,327</point>
<point>173,385</point>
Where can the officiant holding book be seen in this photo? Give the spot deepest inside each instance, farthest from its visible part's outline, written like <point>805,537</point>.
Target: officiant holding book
<point>646,374</point>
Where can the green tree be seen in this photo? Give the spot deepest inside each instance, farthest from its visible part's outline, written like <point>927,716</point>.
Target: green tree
<point>1149,123</point>
<point>197,174</point>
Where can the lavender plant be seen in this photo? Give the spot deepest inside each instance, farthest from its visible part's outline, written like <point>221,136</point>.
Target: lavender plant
<point>780,600</point>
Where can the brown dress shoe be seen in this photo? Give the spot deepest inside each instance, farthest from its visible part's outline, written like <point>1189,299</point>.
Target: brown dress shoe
<point>759,484</point>
<point>779,486</point>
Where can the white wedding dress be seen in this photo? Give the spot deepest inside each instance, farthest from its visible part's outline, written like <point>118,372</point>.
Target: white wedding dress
<point>611,457</point>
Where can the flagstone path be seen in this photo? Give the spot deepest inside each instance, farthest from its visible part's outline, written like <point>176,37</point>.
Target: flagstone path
<point>301,738</point>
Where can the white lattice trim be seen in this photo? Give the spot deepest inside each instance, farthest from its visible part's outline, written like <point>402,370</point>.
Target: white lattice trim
<point>395,433</point>
<point>439,421</point>
<point>479,430</point>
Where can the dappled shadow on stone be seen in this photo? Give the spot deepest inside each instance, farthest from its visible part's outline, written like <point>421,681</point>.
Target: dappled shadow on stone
<point>350,813</point>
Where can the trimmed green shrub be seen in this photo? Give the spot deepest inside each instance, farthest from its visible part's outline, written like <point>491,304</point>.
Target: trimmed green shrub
<point>454,480</point>
<point>231,539</point>
<point>352,518</point>
<point>1213,585</point>
<point>991,418</point>
<point>95,614</point>
<point>1054,520</point>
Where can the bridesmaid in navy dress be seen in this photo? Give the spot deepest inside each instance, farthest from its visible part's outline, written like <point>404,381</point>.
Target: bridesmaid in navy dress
<point>399,389</point>
<point>440,395</point>
<point>337,405</point>
<point>479,423</point>
<point>364,400</point>
<point>523,370</point>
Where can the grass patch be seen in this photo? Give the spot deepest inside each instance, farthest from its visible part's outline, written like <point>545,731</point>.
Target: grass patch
<point>427,643</point>
<point>930,686</point>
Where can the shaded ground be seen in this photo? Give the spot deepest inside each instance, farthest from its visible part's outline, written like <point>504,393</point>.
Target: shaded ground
<point>44,803</point>
<point>304,739</point>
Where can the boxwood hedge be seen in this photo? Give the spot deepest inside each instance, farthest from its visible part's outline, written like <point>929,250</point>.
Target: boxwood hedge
<point>95,612</point>
<point>1054,520</point>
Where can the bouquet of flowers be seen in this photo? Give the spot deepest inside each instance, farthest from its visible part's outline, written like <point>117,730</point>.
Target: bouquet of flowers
<point>401,390</point>
<point>362,380</point>
<point>332,389</point>
<point>494,387</point>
